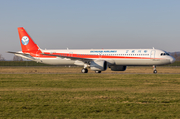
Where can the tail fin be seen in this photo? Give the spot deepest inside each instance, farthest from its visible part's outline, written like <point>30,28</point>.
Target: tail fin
<point>27,44</point>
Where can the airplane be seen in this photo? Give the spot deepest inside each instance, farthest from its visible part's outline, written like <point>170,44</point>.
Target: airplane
<point>96,59</point>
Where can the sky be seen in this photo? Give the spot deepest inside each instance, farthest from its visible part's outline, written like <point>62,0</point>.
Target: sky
<point>84,24</point>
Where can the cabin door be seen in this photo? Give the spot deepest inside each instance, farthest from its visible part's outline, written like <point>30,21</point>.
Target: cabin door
<point>152,54</point>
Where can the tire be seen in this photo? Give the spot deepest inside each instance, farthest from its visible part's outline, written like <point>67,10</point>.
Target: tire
<point>97,71</point>
<point>84,70</point>
<point>155,71</point>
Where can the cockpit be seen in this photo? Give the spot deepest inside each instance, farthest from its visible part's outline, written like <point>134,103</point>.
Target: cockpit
<point>163,54</point>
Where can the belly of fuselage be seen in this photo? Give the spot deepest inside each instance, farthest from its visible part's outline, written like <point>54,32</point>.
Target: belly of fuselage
<point>125,62</point>
<point>57,61</point>
<point>141,62</point>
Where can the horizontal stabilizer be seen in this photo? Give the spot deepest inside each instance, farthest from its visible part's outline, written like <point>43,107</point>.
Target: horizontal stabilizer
<point>23,55</point>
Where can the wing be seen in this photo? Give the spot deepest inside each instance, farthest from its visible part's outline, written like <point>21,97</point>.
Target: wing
<point>68,57</point>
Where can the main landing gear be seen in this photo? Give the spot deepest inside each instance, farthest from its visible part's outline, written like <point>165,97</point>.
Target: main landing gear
<point>84,70</point>
<point>97,71</point>
<point>154,68</point>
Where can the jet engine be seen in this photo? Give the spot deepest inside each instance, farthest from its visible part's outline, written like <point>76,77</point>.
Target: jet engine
<point>118,68</point>
<point>98,65</point>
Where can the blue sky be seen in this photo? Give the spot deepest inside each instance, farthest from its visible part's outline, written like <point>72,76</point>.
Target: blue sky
<point>58,24</point>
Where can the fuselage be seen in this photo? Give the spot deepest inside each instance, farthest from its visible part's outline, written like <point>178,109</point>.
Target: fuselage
<point>126,57</point>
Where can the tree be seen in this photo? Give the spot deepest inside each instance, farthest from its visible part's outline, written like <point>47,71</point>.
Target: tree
<point>1,58</point>
<point>16,58</point>
<point>175,55</point>
<point>178,58</point>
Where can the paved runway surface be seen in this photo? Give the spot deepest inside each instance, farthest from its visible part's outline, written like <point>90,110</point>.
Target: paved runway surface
<point>77,70</point>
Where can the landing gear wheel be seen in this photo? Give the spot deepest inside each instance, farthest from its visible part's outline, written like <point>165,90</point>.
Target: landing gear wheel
<point>97,71</point>
<point>155,71</point>
<point>84,70</point>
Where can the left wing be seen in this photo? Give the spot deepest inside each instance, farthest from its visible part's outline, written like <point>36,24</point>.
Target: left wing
<point>69,57</point>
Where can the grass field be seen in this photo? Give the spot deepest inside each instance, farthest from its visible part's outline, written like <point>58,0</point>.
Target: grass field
<point>35,93</point>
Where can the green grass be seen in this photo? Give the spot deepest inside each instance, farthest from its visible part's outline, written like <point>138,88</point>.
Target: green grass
<point>141,96</point>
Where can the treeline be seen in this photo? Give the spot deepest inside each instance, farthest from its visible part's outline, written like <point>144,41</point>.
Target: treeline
<point>22,63</point>
<point>176,55</point>
<point>32,63</point>
<point>176,63</point>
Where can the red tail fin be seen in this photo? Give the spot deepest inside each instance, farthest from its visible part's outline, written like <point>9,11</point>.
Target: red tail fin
<point>27,44</point>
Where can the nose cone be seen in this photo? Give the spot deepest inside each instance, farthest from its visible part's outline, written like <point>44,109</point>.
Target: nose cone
<point>172,60</point>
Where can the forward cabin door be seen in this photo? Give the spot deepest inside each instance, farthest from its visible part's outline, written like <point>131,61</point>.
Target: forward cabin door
<point>152,56</point>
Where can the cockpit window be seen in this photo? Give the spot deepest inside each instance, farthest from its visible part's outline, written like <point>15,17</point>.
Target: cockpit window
<point>167,54</point>
<point>162,54</point>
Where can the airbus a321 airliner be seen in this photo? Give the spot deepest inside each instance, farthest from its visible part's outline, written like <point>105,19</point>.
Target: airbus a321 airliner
<point>96,59</point>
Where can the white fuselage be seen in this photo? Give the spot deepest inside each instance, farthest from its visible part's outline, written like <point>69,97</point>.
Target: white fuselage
<point>125,57</point>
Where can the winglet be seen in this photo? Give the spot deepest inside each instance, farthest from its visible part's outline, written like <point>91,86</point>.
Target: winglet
<point>27,44</point>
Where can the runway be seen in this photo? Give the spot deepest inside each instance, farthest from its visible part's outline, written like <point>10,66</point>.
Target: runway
<point>77,70</point>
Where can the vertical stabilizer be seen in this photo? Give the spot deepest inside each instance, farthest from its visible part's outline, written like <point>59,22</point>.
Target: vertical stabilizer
<point>27,44</point>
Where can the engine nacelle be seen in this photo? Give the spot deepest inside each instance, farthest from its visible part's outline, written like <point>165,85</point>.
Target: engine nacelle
<point>118,68</point>
<point>98,65</point>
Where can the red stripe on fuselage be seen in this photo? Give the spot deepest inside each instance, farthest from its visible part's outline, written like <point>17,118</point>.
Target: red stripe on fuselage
<point>88,56</point>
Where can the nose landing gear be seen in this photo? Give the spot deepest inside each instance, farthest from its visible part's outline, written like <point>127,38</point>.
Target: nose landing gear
<point>154,68</point>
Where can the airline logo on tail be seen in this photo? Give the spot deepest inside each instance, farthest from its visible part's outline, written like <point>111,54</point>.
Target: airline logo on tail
<point>25,40</point>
